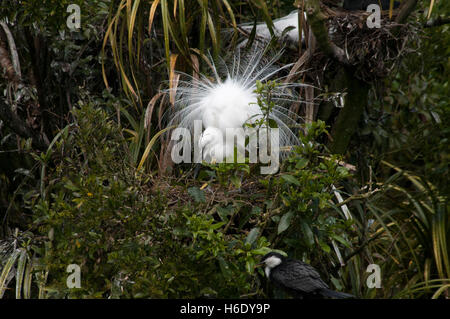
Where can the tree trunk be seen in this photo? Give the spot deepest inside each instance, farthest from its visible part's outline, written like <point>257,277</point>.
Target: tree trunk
<point>349,116</point>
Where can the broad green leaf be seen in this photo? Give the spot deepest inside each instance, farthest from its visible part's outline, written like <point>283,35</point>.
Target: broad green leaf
<point>301,163</point>
<point>224,212</point>
<point>224,267</point>
<point>252,236</point>
<point>307,234</point>
<point>341,240</point>
<point>290,179</point>
<point>285,222</point>
<point>250,265</point>
<point>324,246</point>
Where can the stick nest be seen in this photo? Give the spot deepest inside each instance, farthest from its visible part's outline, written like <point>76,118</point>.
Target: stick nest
<point>374,52</point>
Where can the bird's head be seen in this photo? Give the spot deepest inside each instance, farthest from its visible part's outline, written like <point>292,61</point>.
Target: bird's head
<point>271,260</point>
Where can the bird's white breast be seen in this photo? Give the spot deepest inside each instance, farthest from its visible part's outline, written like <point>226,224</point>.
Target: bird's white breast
<point>267,271</point>
<point>271,263</point>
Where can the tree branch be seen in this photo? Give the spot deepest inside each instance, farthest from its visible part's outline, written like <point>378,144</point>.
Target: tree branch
<point>316,20</point>
<point>405,10</point>
<point>13,74</point>
<point>6,63</point>
<point>12,120</point>
<point>12,49</point>
<point>436,22</point>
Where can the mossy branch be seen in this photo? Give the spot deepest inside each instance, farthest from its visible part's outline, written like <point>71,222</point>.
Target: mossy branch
<point>316,20</point>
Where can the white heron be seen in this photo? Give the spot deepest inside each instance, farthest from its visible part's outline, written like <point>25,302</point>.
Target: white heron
<point>227,101</point>
<point>279,25</point>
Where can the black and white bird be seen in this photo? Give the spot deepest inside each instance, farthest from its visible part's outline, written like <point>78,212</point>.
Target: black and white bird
<point>297,278</point>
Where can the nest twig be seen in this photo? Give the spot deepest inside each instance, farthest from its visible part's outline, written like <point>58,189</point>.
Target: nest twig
<point>374,51</point>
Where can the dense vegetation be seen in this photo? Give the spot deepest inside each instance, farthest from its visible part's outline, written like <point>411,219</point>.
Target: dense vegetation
<point>85,178</point>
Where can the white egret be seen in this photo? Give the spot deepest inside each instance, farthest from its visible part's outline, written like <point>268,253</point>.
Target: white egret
<point>279,25</point>
<point>228,101</point>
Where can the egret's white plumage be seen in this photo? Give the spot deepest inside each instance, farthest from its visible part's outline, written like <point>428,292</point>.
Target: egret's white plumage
<point>228,101</point>
<point>279,25</point>
<point>215,147</point>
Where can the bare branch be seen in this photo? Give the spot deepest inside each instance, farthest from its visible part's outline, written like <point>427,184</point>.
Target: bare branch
<point>436,22</point>
<point>12,49</point>
<point>316,20</point>
<point>6,64</point>
<point>405,10</point>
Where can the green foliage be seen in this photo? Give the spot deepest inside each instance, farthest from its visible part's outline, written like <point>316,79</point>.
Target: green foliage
<point>18,261</point>
<point>83,200</point>
<point>422,220</point>
<point>304,189</point>
<point>94,211</point>
<point>126,240</point>
<point>265,103</point>
<point>403,151</point>
<point>229,174</point>
<point>303,218</point>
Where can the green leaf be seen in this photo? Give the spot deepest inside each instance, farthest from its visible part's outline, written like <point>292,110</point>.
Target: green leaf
<point>307,233</point>
<point>236,181</point>
<point>71,186</point>
<point>261,251</point>
<point>291,179</point>
<point>224,267</point>
<point>250,265</point>
<point>336,283</point>
<point>285,222</point>
<point>301,163</point>
<point>6,269</point>
<point>217,225</point>
<point>272,123</point>
<point>197,194</point>
<point>324,246</point>
<point>224,212</point>
<point>341,240</point>
<point>27,280</point>
<point>20,272</point>
<point>256,210</point>
<point>252,236</point>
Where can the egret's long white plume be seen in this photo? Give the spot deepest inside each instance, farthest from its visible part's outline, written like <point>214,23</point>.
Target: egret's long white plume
<point>279,25</point>
<point>227,100</point>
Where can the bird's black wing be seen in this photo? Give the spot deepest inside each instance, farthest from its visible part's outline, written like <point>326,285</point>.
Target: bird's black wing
<point>296,275</point>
